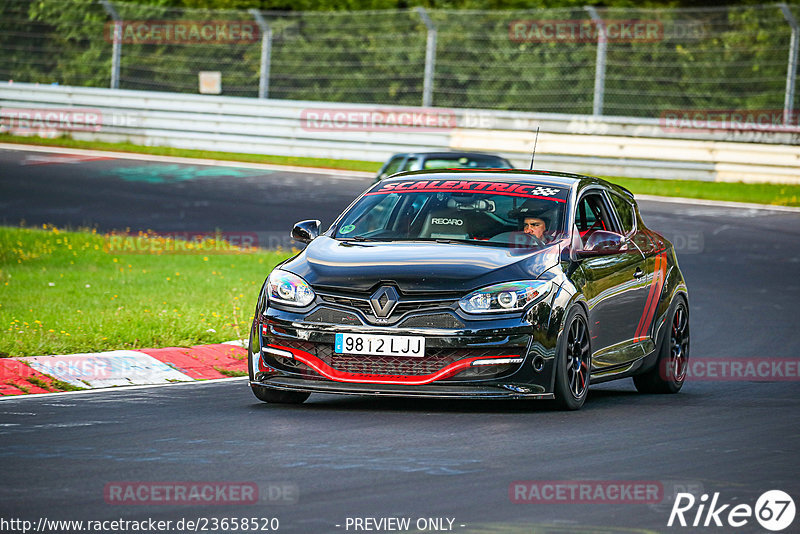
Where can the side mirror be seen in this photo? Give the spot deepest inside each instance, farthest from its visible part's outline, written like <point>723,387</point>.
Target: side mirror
<point>306,231</point>
<point>601,243</point>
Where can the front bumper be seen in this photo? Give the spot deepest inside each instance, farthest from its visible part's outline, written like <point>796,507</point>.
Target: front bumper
<point>504,391</point>
<point>291,352</point>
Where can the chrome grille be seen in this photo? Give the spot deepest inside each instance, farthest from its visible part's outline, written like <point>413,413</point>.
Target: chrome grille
<point>361,305</point>
<point>332,316</point>
<point>434,320</point>
<point>406,304</point>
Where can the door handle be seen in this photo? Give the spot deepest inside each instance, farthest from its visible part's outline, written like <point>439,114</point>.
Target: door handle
<point>639,273</point>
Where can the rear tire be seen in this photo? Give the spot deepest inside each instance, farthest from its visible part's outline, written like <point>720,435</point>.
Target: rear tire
<point>276,396</point>
<point>669,372</point>
<point>573,362</point>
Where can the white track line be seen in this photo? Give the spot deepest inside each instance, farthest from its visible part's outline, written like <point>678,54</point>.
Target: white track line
<point>345,175</point>
<point>61,394</point>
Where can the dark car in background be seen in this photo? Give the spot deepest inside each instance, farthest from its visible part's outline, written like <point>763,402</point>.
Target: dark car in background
<point>422,161</point>
<point>474,284</point>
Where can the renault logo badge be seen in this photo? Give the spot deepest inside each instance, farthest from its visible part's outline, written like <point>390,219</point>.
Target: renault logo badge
<point>383,301</point>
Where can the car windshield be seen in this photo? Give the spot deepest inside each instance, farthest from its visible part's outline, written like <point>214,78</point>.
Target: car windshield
<point>493,213</point>
<point>465,162</point>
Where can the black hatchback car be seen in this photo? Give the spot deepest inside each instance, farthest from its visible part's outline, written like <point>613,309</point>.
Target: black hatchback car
<point>474,284</point>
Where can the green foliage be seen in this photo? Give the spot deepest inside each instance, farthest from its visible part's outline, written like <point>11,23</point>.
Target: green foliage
<point>230,372</point>
<point>710,58</point>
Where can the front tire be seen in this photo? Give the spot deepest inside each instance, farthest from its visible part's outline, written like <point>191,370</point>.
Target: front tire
<point>573,362</point>
<point>275,396</point>
<point>669,372</point>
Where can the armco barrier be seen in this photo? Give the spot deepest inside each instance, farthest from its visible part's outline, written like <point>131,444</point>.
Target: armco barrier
<point>613,146</point>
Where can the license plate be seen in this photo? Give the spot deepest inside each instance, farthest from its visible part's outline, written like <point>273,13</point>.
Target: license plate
<point>377,345</point>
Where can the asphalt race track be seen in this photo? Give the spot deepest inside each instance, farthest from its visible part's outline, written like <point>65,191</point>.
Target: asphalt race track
<point>334,458</point>
<point>164,197</point>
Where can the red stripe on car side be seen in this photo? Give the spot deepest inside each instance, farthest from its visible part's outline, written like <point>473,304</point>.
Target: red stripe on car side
<point>650,309</point>
<point>637,334</point>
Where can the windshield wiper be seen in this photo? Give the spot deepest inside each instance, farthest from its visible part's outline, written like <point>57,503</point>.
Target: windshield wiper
<point>361,238</point>
<point>454,241</point>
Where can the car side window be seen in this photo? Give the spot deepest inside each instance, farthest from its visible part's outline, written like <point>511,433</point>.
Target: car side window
<point>393,166</point>
<point>410,162</point>
<point>625,212</point>
<point>591,214</point>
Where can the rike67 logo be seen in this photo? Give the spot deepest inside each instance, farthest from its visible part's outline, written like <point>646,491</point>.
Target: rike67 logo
<point>774,510</point>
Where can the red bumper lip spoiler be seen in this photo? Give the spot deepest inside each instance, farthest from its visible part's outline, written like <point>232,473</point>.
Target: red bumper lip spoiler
<point>358,378</point>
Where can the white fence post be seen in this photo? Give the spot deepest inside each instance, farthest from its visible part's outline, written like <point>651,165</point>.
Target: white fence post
<point>430,58</point>
<point>791,70</point>
<point>600,62</point>
<point>266,53</point>
<point>116,51</point>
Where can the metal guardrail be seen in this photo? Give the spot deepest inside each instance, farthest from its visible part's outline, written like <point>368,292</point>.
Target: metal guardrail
<point>578,143</point>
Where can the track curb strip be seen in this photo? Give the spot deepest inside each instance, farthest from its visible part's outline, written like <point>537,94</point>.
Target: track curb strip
<point>140,367</point>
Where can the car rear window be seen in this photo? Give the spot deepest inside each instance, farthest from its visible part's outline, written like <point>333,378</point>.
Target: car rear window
<point>483,162</point>
<point>624,210</point>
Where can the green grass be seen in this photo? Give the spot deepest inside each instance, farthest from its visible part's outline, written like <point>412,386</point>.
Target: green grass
<point>55,384</point>
<point>776,194</point>
<point>64,292</point>
<point>230,372</point>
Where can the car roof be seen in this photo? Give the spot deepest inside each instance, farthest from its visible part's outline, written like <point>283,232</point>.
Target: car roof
<point>561,179</point>
<point>449,153</point>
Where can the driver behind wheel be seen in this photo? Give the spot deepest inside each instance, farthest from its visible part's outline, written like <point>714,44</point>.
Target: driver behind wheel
<point>532,219</point>
<point>535,222</point>
<point>534,226</point>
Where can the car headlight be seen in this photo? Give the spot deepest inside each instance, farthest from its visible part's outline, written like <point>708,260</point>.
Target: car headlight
<point>286,288</point>
<point>505,297</point>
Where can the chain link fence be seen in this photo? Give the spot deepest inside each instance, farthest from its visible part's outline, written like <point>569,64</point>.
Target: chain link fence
<point>617,62</point>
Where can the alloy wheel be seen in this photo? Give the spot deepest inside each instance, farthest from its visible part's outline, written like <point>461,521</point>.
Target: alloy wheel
<point>577,360</point>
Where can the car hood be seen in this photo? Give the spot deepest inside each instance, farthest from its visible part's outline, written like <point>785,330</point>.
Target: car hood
<point>416,266</point>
